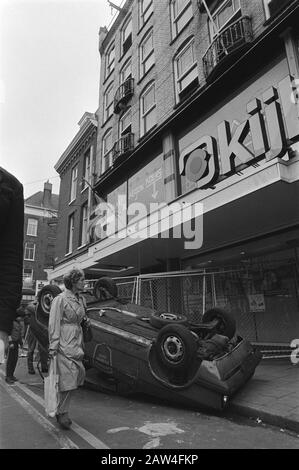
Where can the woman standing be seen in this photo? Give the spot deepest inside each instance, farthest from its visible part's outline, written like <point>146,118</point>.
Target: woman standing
<point>66,341</point>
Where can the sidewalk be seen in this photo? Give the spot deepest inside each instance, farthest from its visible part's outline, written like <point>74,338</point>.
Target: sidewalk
<point>272,395</point>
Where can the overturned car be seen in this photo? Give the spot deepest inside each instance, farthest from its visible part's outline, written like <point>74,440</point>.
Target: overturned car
<point>136,349</point>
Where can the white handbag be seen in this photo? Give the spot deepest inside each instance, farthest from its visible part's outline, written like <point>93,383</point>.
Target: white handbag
<point>51,392</point>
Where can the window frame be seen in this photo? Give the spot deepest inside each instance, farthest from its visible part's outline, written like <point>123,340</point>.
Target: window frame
<point>30,219</point>
<point>178,79</point>
<point>86,169</point>
<point>175,31</point>
<point>25,276</point>
<point>122,117</point>
<point>144,60</point>
<point>108,108</point>
<point>216,12</point>
<point>83,224</point>
<point>109,65</point>
<point>70,234</point>
<point>74,183</point>
<point>145,14</point>
<point>126,43</point>
<point>29,249</point>
<point>121,73</point>
<point>143,115</point>
<point>105,155</point>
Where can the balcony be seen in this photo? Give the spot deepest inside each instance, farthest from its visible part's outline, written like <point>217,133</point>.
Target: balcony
<point>229,43</point>
<point>123,95</point>
<point>123,146</point>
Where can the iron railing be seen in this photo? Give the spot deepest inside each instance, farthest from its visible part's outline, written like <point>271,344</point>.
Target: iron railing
<point>123,94</point>
<point>227,42</point>
<point>123,146</point>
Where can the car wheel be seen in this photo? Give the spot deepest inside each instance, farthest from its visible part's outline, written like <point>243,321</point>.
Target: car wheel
<point>226,322</point>
<point>176,347</point>
<point>158,320</point>
<point>46,297</point>
<point>105,287</point>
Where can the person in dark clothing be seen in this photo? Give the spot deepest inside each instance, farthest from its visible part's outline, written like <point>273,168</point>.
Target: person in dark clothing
<point>32,342</point>
<point>11,253</point>
<point>15,340</point>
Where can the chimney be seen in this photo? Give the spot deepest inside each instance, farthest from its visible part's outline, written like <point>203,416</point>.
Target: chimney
<point>47,194</point>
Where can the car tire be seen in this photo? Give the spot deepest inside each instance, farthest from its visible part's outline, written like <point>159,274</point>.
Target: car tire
<point>227,323</point>
<point>108,284</point>
<point>46,296</point>
<point>159,320</point>
<point>176,347</point>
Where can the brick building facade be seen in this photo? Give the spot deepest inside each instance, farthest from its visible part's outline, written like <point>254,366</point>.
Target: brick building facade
<point>198,110</point>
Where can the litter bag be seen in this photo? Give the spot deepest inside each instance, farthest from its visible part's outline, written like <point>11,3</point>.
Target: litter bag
<point>51,393</point>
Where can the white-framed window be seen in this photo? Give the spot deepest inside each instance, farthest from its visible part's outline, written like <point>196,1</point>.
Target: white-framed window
<point>108,102</point>
<point>86,169</point>
<point>84,224</point>
<point>27,274</point>
<point>145,11</point>
<point>185,68</point>
<point>126,71</point>
<point>146,52</point>
<point>74,183</point>
<point>107,146</point>
<point>148,109</point>
<point>70,238</point>
<point>126,36</point>
<point>125,123</point>
<point>180,13</point>
<point>223,15</point>
<point>32,227</point>
<point>109,60</point>
<point>29,252</point>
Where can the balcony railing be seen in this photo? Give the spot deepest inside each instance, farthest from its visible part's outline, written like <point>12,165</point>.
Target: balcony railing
<point>227,43</point>
<point>123,146</point>
<point>123,94</point>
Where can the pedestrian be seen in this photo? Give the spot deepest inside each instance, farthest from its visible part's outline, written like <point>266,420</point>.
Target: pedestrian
<point>14,341</point>
<point>66,341</point>
<point>11,253</point>
<point>32,342</point>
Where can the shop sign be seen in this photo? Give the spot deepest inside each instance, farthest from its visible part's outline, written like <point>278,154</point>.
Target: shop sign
<point>257,303</point>
<point>39,285</point>
<point>272,126</point>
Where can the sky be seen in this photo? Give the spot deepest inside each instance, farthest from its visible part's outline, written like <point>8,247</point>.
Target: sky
<point>49,77</point>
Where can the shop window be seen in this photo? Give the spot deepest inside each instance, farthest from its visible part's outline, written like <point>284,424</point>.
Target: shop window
<point>107,150</point>
<point>29,252</point>
<point>145,11</point>
<point>186,74</point>
<point>109,61</point>
<point>74,183</point>
<point>32,227</point>
<point>126,36</point>
<point>108,102</point>
<point>181,13</point>
<point>27,274</point>
<point>148,109</point>
<point>227,12</point>
<point>146,52</point>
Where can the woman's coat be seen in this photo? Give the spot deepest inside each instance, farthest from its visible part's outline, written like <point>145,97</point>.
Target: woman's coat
<point>66,337</point>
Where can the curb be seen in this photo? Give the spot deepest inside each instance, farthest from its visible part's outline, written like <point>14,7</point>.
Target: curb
<point>268,418</point>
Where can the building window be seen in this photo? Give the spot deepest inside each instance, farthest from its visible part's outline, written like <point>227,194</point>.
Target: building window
<point>70,238</point>
<point>86,169</point>
<point>109,61</point>
<point>145,11</point>
<point>74,183</point>
<point>126,71</point>
<point>146,51</point>
<point>126,36</point>
<point>27,274</point>
<point>108,102</point>
<point>29,252</point>
<point>181,13</point>
<point>125,123</point>
<point>223,15</point>
<point>84,223</point>
<point>32,227</point>
<point>148,109</point>
<point>185,68</point>
<point>107,151</point>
